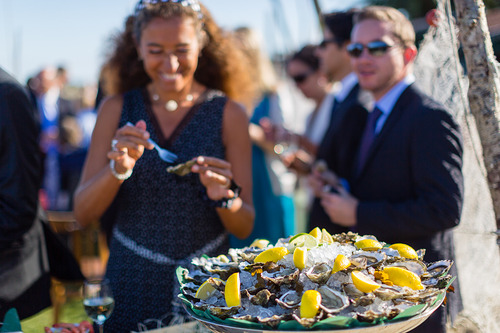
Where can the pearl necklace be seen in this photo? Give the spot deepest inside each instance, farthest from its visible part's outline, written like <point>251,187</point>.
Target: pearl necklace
<point>171,105</point>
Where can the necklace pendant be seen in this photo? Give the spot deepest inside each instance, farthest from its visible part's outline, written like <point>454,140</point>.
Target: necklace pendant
<point>171,105</point>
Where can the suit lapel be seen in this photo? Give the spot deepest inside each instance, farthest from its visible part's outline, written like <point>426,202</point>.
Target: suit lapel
<point>390,122</point>
<point>339,111</point>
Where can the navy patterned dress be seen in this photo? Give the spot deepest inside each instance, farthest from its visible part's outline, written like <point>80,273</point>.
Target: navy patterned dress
<point>161,219</point>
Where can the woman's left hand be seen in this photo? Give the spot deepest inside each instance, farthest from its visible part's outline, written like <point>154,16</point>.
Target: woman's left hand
<point>215,175</point>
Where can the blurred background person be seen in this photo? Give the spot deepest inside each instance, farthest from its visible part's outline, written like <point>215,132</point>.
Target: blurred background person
<point>347,116</point>
<point>177,79</point>
<point>274,210</point>
<point>303,68</point>
<point>56,116</point>
<point>24,269</point>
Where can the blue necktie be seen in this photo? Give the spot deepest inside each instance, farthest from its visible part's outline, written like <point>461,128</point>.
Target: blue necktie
<point>368,137</point>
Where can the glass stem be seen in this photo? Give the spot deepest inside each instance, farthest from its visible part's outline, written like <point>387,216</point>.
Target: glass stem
<point>100,328</point>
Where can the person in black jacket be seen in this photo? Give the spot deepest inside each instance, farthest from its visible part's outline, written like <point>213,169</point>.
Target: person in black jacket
<point>406,184</point>
<point>24,268</point>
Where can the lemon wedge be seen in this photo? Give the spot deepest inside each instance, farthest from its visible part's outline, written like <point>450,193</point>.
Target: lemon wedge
<point>403,277</point>
<point>205,290</point>
<point>363,283</point>
<point>341,262</point>
<point>309,304</point>
<point>223,258</point>
<point>273,254</point>
<point>300,257</point>
<point>260,243</point>
<point>232,290</point>
<point>304,240</point>
<point>316,233</point>
<point>405,251</point>
<point>326,238</point>
<point>368,244</point>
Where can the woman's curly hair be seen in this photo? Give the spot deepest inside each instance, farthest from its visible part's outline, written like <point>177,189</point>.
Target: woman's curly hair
<point>221,65</point>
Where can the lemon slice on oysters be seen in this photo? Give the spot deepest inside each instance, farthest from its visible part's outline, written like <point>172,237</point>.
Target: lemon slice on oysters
<point>341,262</point>
<point>405,251</point>
<point>309,304</point>
<point>273,254</point>
<point>300,257</point>
<point>368,244</point>
<point>232,290</point>
<point>206,290</point>
<point>363,283</point>
<point>403,277</point>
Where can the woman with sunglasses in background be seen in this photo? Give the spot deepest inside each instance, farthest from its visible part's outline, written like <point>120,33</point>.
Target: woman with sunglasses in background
<point>303,67</point>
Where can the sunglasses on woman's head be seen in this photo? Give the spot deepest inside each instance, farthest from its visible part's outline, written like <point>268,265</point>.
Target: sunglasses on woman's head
<point>299,78</point>
<point>377,48</point>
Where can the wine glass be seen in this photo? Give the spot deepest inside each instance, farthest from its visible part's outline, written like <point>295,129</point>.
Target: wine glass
<point>98,300</point>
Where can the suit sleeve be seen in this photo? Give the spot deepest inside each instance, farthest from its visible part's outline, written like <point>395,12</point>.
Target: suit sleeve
<point>20,168</point>
<point>436,163</point>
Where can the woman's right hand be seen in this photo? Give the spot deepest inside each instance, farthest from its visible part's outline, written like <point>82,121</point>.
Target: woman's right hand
<point>128,146</point>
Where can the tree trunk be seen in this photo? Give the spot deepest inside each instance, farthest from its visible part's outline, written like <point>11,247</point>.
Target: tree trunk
<point>484,88</point>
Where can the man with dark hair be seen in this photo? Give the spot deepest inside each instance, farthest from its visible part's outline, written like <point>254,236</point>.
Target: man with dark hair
<point>406,184</point>
<point>347,116</point>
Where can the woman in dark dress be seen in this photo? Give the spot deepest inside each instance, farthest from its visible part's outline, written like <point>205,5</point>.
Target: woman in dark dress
<point>176,81</point>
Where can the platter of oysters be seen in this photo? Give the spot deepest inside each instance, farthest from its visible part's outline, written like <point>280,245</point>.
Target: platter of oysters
<point>314,281</point>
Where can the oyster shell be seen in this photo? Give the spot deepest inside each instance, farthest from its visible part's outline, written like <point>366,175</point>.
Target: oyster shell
<point>352,291</point>
<point>196,276</point>
<point>223,312</point>
<point>365,259</point>
<point>439,268</point>
<point>215,266</point>
<point>387,293</point>
<point>274,320</point>
<point>308,322</point>
<point>289,300</point>
<point>319,273</point>
<point>332,301</point>
<point>281,277</point>
<point>262,297</point>
<point>182,169</point>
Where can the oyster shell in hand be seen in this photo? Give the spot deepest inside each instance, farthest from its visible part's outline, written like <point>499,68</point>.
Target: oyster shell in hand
<point>182,169</point>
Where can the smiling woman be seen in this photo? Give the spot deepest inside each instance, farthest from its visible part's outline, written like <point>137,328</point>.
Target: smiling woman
<point>171,53</point>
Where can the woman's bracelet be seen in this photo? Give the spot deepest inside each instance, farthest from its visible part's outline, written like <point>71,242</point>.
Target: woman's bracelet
<point>119,176</point>
<point>226,203</point>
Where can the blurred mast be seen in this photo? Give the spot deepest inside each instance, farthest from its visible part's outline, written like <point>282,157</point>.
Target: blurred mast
<point>319,13</point>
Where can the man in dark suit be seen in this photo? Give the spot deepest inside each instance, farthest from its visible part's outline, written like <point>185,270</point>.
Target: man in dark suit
<point>347,116</point>
<point>406,185</point>
<point>24,270</point>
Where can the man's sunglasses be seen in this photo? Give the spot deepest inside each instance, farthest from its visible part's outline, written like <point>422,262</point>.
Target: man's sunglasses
<point>299,78</point>
<point>377,48</point>
<point>327,41</point>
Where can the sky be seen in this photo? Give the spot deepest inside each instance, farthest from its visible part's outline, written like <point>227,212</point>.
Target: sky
<point>76,34</point>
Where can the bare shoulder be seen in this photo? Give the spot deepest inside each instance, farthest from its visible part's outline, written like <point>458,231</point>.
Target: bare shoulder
<point>108,115</point>
<point>111,106</point>
<point>235,114</point>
